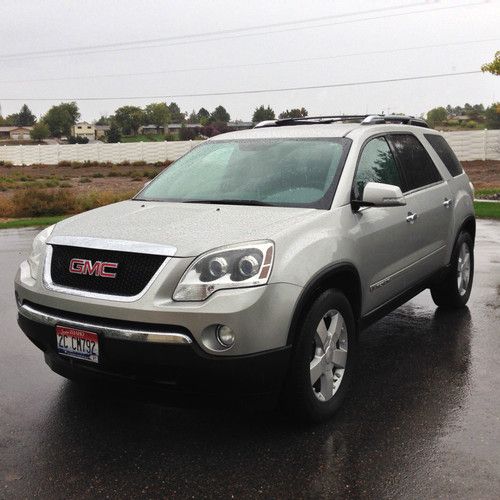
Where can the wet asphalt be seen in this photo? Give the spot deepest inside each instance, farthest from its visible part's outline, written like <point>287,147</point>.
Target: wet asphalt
<point>422,419</point>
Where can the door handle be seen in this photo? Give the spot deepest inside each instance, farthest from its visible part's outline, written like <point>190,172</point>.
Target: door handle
<point>411,217</point>
<point>446,203</point>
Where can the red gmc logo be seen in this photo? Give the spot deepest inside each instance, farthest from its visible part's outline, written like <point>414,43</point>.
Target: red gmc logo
<point>98,268</point>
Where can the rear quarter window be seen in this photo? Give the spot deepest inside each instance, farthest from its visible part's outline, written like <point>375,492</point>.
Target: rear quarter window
<point>445,153</point>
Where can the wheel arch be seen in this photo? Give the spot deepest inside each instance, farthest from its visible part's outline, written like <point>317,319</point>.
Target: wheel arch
<point>469,226</point>
<point>342,276</point>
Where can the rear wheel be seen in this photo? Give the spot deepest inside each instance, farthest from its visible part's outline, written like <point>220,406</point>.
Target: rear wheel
<point>454,290</point>
<point>323,360</point>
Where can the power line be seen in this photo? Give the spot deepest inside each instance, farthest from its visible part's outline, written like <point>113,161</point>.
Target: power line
<point>243,92</point>
<point>98,49</point>
<point>248,65</point>
<point>212,33</point>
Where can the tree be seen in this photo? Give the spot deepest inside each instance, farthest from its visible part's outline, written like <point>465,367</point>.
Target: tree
<point>11,120</point>
<point>157,113</point>
<point>494,66</point>
<point>220,114</point>
<point>40,131</point>
<point>294,113</point>
<point>129,119</point>
<point>193,117</point>
<point>61,118</point>
<point>203,116</point>
<point>261,113</point>
<point>176,115</point>
<point>492,115</point>
<point>104,120</point>
<point>114,133</point>
<point>25,118</point>
<point>436,116</point>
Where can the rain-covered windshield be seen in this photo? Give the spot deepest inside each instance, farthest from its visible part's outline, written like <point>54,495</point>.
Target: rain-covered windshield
<point>276,172</point>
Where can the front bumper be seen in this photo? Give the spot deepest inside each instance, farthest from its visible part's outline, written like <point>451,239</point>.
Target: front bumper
<point>259,316</point>
<point>175,362</point>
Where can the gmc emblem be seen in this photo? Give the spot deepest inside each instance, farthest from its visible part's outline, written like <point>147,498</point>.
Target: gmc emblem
<point>98,268</point>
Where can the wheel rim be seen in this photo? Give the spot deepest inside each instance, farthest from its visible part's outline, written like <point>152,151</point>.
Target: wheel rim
<point>463,269</point>
<point>329,355</point>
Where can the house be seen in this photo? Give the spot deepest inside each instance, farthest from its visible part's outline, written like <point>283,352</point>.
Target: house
<point>239,125</point>
<point>175,127</point>
<point>15,133</point>
<point>151,129</point>
<point>100,131</point>
<point>83,129</point>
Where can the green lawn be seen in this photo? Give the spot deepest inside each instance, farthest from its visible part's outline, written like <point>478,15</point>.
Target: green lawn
<point>33,222</point>
<point>480,193</point>
<point>143,138</point>
<point>487,210</point>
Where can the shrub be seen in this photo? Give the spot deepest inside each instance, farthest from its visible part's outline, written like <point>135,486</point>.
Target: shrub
<point>95,199</point>
<point>85,180</point>
<point>138,163</point>
<point>7,164</point>
<point>65,184</point>
<point>76,164</point>
<point>64,163</point>
<point>7,208</point>
<point>38,202</point>
<point>98,175</point>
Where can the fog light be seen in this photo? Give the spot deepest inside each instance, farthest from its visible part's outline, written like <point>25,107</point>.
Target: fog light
<point>225,336</point>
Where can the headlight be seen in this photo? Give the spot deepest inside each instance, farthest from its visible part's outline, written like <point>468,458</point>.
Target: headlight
<point>235,266</point>
<point>38,250</point>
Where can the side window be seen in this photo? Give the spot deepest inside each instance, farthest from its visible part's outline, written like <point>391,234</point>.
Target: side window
<point>445,153</point>
<point>418,167</point>
<point>376,164</point>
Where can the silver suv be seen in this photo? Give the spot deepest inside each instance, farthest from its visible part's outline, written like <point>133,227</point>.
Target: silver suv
<point>251,263</point>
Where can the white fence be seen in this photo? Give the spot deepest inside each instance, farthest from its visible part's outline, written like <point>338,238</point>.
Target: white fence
<point>475,144</point>
<point>149,152</point>
<point>468,145</point>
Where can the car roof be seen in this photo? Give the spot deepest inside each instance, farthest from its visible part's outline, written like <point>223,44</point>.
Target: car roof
<point>293,131</point>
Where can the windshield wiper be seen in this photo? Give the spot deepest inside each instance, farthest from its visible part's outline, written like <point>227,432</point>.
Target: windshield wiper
<point>232,202</point>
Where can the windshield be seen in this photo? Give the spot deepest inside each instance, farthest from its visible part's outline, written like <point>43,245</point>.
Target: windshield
<point>276,172</point>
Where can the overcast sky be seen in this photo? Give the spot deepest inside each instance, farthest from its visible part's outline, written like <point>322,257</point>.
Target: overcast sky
<point>193,65</point>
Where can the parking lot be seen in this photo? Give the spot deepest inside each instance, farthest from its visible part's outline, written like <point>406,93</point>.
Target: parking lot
<point>422,420</point>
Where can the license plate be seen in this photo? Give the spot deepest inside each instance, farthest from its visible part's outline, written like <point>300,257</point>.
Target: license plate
<point>77,343</point>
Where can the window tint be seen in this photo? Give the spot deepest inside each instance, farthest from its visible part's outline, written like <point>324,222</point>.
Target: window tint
<point>418,168</point>
<point>446,154</point>
<point>376,164</point>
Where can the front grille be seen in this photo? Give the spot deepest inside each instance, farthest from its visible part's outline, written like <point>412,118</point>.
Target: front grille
<point>133,273</point>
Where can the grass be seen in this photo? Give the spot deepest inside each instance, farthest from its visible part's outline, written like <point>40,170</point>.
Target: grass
<point>479,193</point>
<point>143,138</point>
<point>487,210</point>
<point>33,222</point>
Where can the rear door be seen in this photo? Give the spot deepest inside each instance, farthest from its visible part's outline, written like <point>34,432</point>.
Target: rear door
<point>429,205</point>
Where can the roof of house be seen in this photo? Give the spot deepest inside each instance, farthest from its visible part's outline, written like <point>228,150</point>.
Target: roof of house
<point>11,128</point>
<point>102,127</point>
<point>84,123</point>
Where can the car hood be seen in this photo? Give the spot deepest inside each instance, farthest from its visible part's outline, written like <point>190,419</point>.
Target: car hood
<point>191,228</point>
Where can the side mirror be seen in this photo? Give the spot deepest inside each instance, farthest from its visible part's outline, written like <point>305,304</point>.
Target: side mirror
<point>381,195</point>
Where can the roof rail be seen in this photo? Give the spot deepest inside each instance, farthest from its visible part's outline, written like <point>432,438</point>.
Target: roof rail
<point>311,120</point>
<point>363,119</point>
<point>402,119</point>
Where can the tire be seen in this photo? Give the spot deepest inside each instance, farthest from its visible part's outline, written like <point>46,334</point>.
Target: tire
<point>312,401</point>
<point>454,289</point>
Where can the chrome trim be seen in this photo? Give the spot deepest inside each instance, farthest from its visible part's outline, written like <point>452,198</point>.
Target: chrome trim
<point>108,331</point>
<point>118,245</point>
<point>384,281</point>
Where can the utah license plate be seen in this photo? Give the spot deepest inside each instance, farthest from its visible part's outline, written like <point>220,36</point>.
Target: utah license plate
<point>77,343</point>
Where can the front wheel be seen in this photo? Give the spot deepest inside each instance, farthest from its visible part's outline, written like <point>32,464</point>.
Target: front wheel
<point>454,290</point>
<point>323,359</point>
